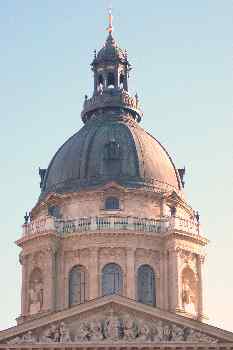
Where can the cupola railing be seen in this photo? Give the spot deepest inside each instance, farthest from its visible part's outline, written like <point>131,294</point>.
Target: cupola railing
<point>111,224</point>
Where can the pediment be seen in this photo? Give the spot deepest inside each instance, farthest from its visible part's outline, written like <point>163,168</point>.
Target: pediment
<point>114,319</point>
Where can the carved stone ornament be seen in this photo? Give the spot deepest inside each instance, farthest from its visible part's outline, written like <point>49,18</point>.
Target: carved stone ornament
<point>115,328</point>
<point>187,256</point>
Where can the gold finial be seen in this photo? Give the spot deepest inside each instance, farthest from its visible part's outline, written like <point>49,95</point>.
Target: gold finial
<point>110,27</point>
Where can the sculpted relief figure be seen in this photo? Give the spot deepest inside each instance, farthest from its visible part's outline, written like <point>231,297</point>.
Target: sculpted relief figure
<point>111,328</point>
<point>144,333</point>
<point>194,336</point>
<point>64,333</point>
<point>56,334</point>
<point>177,333</point>
<point>96,331</point>
<point>115,329</point>
<point>129,329</point>
<point>83,332</point>
<point>26,338</point>
<point>158,332</point>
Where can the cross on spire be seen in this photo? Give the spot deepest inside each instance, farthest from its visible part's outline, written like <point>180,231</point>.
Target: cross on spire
<point>110,18</point>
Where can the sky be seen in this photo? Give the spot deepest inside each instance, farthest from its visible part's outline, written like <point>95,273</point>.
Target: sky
<point>181,53</point>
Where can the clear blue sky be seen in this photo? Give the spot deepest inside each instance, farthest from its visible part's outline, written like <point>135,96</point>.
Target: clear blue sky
<point>181,52</point>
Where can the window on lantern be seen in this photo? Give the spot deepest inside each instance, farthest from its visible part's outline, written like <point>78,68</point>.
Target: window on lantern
<point>111,81</point>
<point>100,81</point>
<point>112,203</point>
<point>122,78</point>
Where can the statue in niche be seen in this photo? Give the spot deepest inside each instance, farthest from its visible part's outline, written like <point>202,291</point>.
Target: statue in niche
<point>35,292</point>
<point>188,297</point>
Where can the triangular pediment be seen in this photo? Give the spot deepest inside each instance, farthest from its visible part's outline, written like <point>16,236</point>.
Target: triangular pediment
<point>114,319</point>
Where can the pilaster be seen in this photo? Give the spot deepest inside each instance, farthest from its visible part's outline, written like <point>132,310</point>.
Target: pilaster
<point>200,265</point>
<point>174,284</point>
<point>164,280</point>
<point>24,295</point>
<point>50,280</point>
<point>94,278</point>
<point>130,274</point>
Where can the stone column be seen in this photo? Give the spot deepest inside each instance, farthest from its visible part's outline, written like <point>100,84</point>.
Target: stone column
<point>162,208</point>
<point>116,76</point>
<point>130,274</point>
<point>164,280</point>
<point>62,282</point>
<point>24,295</point>
<point>94,278</point>
<point>174,280</point>
<point>50,280</point>
<point>200,263</point>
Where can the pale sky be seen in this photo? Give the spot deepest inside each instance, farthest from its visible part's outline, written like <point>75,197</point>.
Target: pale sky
<point>181,52</point>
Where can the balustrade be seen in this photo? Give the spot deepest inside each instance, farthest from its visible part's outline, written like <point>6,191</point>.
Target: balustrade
<point>110,223</point>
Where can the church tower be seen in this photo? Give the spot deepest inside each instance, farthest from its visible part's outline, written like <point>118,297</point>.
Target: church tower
<point>112,250</point>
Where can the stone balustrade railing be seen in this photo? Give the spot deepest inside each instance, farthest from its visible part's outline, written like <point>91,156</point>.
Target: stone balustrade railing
<point>38,226</point>
<point>110,223</point>
<point>181,224</point>
<point>111,98</point>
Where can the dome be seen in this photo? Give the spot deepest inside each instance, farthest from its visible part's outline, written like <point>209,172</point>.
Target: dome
<point>110,148</point>
<point>110,52</point>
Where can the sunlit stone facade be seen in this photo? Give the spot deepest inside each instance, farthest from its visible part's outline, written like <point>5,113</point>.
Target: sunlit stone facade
<point>112,253</point>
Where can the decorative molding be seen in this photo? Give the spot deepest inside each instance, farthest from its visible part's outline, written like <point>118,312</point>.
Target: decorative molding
<point>114,327</point>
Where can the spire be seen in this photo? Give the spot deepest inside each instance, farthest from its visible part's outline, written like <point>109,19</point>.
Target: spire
<point>110,42</point>
<point>111,72</point>
<point>110,18</point>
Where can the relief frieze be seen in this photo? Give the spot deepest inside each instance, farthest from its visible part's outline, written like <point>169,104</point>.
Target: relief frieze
<point>113,327</point>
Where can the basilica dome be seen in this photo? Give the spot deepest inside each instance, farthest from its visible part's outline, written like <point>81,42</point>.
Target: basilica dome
<point>110,148</point>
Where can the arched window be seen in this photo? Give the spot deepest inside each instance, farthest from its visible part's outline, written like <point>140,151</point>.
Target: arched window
<point>146,285</point>
<point>112,203</point>
<point>111,80</point>
<point>112,279</point>
<point>100,80</point>
<point>77,285</point>
<point>122,78</point>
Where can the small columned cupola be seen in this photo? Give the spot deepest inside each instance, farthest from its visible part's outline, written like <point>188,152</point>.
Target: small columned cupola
<point>111,72</point>
<point>111,67</point>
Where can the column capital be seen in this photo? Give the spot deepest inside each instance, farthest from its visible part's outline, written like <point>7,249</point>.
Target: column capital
<point>23,258</point>
<point>201,258</point>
